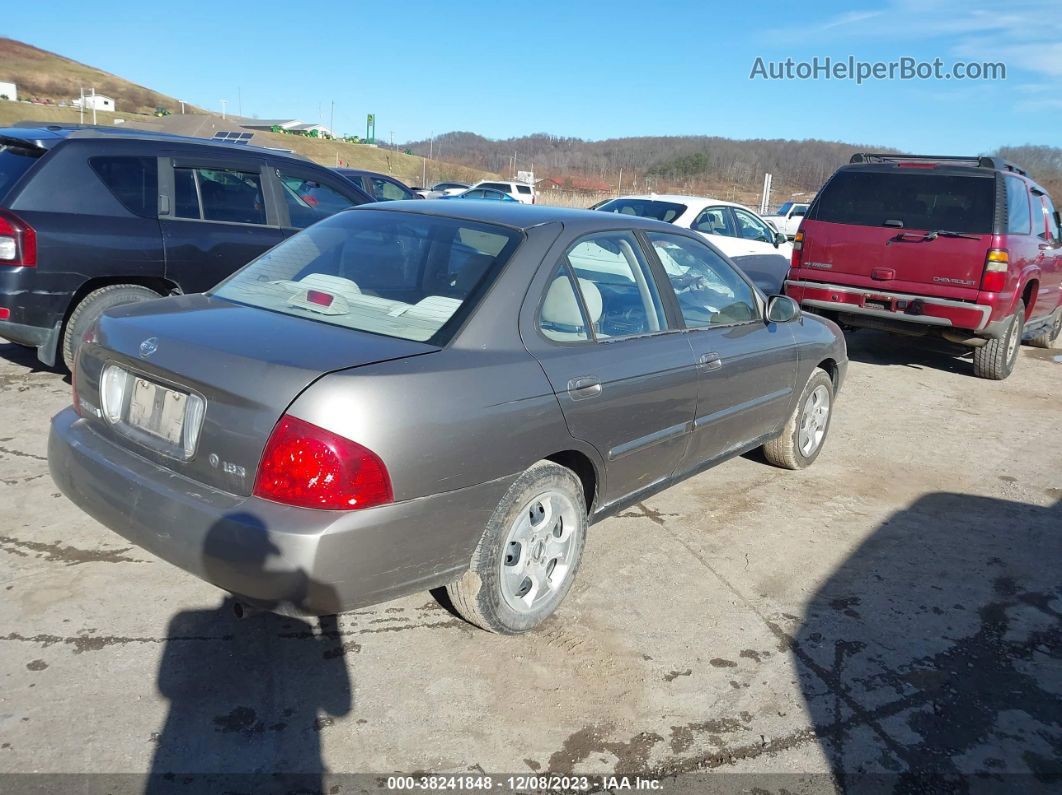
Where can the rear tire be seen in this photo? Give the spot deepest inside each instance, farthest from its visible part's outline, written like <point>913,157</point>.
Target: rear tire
<point>995,359</point>
<point>805,431</point>
<point>528,556</point>
<point>1050,334</point>
<point>92,306</point>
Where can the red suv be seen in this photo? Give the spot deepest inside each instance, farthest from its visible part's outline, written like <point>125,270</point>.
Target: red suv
<point>964,248</point>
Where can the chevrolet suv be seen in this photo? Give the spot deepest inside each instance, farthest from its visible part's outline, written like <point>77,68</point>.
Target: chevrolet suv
<point>963,248</point>
<point>91,218</point>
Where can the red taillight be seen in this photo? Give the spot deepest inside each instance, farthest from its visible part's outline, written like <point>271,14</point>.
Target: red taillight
<point>18,241</point>
<point>319,298</point>
<point>310,467</point>
<point>798,250</point>
<point>997,264</point>
<point>4,313</point>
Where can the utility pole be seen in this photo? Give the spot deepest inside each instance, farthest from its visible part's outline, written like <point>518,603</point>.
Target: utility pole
<point>82,104</point>
<point>332,121</point>
<point>94,105</point>
<point>619,185</point>
<point>224,102</point>
<point>392,140</point>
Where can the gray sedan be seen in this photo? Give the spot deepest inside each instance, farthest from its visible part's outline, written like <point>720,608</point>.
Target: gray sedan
<point>434,393</point>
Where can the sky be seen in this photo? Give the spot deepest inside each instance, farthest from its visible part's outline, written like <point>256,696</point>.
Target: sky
<point>587,69</point>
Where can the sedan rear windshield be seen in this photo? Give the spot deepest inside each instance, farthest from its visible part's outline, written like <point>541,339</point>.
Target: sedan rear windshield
<point>398,274</point>
<point>645,208</point>
<point>917,200</point>
<point>14,162</point>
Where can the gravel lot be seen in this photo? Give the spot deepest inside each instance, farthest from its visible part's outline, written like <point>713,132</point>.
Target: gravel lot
<point>894,608</point>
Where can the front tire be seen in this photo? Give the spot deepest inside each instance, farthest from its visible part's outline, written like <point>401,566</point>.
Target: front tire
<point>805,431</point>
<point>91,307</point>
<point>995,359</point>
<point>529,553</point>
<point>1050,334</point>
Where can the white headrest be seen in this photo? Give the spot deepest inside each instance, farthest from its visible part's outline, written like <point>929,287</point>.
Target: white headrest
<point>561,307</point>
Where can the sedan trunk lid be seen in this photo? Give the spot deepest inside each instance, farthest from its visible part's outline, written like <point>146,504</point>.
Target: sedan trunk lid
<point>247,364</point>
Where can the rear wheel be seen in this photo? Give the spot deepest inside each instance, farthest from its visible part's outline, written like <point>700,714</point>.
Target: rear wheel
<point>92,306</point>
<point>995,359</point>
<point>805,431</point>
<point>1049,334</point>
<point>527,558</point>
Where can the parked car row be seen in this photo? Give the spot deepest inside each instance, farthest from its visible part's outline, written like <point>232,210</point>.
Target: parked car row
<point>279,409</point>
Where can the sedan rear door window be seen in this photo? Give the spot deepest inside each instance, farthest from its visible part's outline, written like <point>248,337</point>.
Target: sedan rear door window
<point>617,286</point>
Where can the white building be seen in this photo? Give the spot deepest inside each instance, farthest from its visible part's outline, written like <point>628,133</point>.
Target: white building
<point>9,91</point>
<point>97,102</point>
<point>287,125</point>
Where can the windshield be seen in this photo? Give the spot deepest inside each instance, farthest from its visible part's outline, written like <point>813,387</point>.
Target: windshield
<point>14,162</point>
<point>397,274</point>
<point>916,200</point>
<point>645,208</point>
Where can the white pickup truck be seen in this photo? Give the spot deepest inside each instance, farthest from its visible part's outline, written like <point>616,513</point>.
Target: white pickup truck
<point>787,218</point>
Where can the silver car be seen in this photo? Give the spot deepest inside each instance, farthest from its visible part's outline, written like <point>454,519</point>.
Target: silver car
<point>434,393</point>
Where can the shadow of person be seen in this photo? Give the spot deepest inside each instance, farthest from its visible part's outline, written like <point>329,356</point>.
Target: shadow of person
<point>248,698</point>
<point>930,659</point>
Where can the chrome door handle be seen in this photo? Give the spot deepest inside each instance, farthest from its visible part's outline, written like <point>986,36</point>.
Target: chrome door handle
<point>709,361</point>
<point>583,388</point>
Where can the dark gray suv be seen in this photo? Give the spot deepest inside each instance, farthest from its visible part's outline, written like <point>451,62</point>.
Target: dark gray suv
<point>91,218</point>
<point>415,394</point>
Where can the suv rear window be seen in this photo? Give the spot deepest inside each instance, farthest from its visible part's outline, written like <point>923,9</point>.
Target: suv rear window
<point>14,162</point>
<point>397,274</point>
<point>134,181</point>
<point>495,186</point>
<point>523,188</point>
<point>918,200</point>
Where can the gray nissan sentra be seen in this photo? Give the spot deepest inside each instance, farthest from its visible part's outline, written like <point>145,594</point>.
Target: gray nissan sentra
<point>429,393</point>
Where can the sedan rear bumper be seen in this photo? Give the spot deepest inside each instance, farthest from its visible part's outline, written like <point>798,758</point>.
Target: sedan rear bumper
<point>272,556</point>
<point>897,307</point>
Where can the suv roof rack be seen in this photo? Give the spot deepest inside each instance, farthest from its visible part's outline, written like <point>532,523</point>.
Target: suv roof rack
<point>977,161</point>
<point>63,129</point>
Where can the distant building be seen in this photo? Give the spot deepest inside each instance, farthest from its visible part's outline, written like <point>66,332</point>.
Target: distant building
<point>94,102</point>
<point>288,125</point>
<point>9,91</point>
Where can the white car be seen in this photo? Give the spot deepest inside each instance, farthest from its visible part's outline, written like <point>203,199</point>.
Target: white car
<point>788,217</point>
<point>520,191</point>
<point>443,189</point>
<point>760,250</point>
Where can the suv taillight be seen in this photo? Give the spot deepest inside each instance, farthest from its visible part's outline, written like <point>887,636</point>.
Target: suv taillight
<point>18,241</point>
<point>997,263</point>
<point>798,249</point>
<point>310,467</point>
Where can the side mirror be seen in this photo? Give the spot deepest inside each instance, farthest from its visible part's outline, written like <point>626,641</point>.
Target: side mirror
<point>779,239</point>
<point>782,309</point>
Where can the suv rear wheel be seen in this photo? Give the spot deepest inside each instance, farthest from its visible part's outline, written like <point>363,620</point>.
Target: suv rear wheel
<point>995,359</point>
<point>92,306</point>
<point>1049,334</point>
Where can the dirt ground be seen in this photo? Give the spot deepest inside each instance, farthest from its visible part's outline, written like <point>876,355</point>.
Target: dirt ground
<point>894,609</point>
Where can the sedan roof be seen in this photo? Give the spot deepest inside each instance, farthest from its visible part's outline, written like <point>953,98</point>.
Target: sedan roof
<point>516,214</point>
